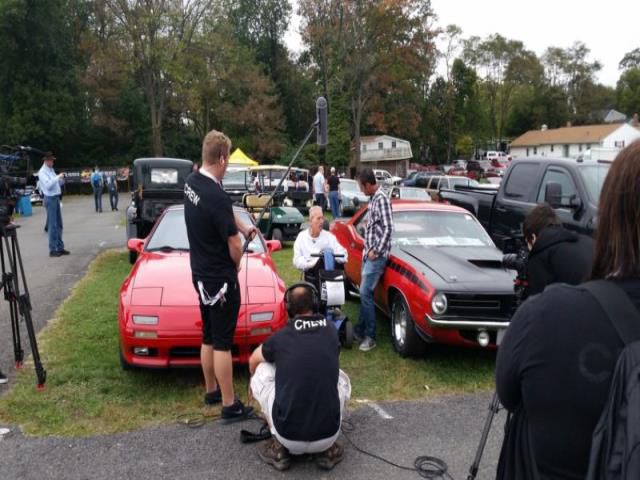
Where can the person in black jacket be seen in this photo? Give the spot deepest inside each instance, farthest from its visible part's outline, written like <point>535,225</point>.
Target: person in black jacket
<point>556,255</point>
<point>556,360</point>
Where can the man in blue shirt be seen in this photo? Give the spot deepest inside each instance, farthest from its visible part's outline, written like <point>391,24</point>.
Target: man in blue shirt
<point>50,184</point>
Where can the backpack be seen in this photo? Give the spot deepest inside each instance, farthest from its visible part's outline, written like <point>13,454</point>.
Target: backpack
<point>96,180</point>
<point>615,444</point>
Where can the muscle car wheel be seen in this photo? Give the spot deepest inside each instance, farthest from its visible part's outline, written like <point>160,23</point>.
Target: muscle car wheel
<point>405,339</point>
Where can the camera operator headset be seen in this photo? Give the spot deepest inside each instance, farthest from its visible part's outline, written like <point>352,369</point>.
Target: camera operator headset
<point>556,255</point>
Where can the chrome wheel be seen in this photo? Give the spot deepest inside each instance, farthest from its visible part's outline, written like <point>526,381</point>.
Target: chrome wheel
<point>400,323</point>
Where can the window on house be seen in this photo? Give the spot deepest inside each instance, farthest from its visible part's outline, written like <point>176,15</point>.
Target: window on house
<point>552,148</point>
<point>535,150</point>
<point>364,147</point>
<point>379,145</point>
<point>393,144</point>
<point>527,151</point>
<point>580,147</point>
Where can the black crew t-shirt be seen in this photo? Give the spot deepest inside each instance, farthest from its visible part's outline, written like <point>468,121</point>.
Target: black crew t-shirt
<point>306,356</point>
<point>208,213</point>
<point>333,182</point>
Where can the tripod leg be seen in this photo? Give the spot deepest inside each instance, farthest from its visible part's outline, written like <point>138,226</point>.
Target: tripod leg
<point>10,296</point>
<point>23,302</point>
<point>493,409</point>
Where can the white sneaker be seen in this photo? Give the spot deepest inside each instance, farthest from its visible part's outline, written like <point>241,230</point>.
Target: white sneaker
<point>367,344</point>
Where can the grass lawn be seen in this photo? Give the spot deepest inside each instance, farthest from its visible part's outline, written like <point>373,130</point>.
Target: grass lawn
<point>87,392</point>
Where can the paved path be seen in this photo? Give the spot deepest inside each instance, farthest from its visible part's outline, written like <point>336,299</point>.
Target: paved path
<point>448,427</point>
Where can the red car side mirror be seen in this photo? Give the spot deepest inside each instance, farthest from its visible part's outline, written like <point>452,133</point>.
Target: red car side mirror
<point>274,245</point>
<point>135,244</point>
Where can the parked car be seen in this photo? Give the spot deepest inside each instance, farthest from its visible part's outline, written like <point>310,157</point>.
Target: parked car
<point>351,197</point>
<point>384,177</point>
<point>572,188</point>
<point>444,281</point>
<point>409,193</point>
<point>157,184</point>
<point>435,184</point>
<point>415,177</point>
<point>237,182</point>
<point>159,320</point>
<point>499,166</point>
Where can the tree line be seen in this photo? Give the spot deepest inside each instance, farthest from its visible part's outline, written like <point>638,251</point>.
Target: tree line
<point>106,81</point>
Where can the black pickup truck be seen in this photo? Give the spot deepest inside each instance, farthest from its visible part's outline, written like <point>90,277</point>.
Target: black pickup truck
<point>571,187</point>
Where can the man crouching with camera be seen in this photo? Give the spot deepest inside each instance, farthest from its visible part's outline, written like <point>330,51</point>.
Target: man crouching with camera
<point>297,381</point>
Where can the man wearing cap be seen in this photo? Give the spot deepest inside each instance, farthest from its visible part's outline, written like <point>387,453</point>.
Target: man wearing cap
<point>50,184</point>
<point>334,194</point>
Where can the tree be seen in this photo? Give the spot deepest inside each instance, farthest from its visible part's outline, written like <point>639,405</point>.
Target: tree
<point>371,46</point>
<point>155,33</point>
<point>630,60</point>
<point>628,91</point>
<point>41,103</point>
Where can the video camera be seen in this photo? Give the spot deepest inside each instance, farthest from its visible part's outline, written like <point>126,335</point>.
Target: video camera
<point>8,186</point>
<point>516,258</point>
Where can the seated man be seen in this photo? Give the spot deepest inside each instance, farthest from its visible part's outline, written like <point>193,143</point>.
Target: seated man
<point>315,240</point>
<point>301,390</point>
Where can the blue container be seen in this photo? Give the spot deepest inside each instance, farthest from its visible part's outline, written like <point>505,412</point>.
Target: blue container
<point>24,206</point>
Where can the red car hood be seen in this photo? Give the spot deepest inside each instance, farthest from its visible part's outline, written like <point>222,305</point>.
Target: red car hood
<point>165,279</point>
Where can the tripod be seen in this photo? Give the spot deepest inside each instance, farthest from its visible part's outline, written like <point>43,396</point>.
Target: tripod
<point>19,303</point>
<point>519,285</point>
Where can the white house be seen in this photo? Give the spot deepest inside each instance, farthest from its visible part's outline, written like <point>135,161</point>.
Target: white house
<point>570,142</point>
<point>386,152</point>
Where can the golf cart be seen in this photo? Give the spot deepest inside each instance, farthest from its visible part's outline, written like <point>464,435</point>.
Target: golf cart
<point>279,222</point>
<point>157,184</point>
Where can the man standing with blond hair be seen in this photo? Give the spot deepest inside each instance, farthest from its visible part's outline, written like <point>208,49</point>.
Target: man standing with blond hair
<point>215,245</point>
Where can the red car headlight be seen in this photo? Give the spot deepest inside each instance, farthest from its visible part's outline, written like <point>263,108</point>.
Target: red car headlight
<point>261,317</point>
<point>145,319</point>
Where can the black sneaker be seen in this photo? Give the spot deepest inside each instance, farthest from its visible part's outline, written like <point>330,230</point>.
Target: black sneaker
<point>3,378</point>
<point>273,453</point>
<point>65,252</point>
<point>236,412</point>
<point>213,398</point>
<point>55,254</point>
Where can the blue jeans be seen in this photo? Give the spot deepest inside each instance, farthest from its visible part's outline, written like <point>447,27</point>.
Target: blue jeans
<point>54,223</point>
<point>320,200</point>
<point>113,199</point>
<point>97,197</point>
<point>372,270</point>
<point>334,200</point>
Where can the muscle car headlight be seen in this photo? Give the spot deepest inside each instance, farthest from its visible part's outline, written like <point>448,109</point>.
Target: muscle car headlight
<point>261,317</point>
<point>439,303</point>
<point>145,320</point>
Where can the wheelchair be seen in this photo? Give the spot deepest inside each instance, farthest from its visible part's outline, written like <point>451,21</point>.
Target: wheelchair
<point>328,277</point>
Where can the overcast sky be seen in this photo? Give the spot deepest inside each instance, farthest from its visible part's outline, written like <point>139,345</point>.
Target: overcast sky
<point>609,29</point>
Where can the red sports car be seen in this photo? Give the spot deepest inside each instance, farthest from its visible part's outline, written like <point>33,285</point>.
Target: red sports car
<point>158,313</point>
<point>444,281</point>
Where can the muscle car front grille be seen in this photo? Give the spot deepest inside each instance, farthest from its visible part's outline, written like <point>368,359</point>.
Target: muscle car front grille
<point>479,305</point>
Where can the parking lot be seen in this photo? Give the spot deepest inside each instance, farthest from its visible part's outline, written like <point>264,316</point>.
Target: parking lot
<point>448,427</point>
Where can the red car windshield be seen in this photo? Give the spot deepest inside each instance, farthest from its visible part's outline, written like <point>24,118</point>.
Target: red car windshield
<point>438,229</point>
<point>171,233</point>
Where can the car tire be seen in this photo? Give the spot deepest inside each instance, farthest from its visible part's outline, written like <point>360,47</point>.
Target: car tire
<point>276,234</point>
<point>126,366</point>
<point>347,339</point>
<point>404,337</point>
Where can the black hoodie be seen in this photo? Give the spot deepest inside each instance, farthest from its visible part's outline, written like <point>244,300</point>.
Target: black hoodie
<point>559,256</point>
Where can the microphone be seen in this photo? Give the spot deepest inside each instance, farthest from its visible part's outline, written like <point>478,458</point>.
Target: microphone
<point>321,122</point>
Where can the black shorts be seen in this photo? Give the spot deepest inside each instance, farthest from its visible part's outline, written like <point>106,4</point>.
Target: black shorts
<point>219,320</point>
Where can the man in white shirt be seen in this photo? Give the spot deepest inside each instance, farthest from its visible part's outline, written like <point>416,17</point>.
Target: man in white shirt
<point>50,185</point>
<point>314,240</point>
<point>318,187</point>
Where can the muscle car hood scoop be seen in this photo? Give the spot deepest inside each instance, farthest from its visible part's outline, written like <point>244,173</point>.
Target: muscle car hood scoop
<point>460,264</point>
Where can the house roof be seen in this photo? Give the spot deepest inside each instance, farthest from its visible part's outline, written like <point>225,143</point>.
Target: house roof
<point>376,138</point>
<point>565,135</point>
